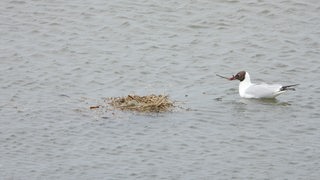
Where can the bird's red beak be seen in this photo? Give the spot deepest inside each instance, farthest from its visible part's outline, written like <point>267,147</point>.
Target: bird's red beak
<point>232,78</point>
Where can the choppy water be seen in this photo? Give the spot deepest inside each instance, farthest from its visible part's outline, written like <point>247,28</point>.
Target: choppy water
<point>58,57</point>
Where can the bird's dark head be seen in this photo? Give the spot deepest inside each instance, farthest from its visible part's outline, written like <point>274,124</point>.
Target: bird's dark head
<point>239,76</point>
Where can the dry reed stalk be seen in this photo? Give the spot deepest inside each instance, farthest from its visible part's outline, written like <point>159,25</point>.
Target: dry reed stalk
<point>150,103</point>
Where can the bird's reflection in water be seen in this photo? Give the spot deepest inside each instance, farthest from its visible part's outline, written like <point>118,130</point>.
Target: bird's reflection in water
<point>265,101</point>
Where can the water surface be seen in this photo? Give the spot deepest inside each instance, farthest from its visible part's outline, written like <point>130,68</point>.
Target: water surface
<point>57,58</point>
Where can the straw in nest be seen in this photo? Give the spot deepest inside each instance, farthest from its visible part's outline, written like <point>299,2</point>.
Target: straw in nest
<point>150,103</point>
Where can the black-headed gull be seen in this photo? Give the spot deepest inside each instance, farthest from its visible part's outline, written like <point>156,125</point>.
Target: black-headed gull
<point>251,90</point>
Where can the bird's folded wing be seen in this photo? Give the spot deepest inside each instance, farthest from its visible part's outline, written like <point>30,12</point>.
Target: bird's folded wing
<point>263,90</point>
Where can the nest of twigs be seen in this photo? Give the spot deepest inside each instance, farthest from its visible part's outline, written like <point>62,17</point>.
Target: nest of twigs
<point>150,103</point>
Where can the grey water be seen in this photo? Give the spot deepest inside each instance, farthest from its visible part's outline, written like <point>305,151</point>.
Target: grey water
<point>58,58</point>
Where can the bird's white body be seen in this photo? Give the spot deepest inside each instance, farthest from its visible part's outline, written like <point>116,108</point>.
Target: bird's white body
<point>251,90</point>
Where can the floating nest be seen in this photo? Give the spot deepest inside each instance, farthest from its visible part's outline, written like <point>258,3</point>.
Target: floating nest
<point>150,103</point>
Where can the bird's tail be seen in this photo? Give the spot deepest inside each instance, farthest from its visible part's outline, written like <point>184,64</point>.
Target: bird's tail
<point>288,87</point>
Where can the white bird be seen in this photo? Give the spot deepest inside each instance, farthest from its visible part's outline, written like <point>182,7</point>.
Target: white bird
<point>251,90</point>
